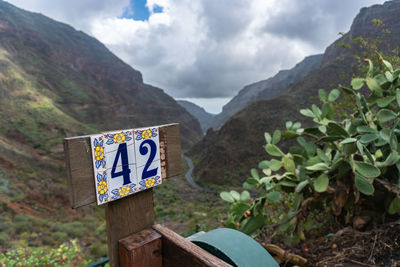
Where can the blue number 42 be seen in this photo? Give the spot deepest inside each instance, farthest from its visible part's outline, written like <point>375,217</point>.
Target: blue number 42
<point>123,153</point>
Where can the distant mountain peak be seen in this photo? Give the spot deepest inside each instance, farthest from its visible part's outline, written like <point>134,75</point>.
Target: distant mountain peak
<point>266,89</point>
<point>200,113</point>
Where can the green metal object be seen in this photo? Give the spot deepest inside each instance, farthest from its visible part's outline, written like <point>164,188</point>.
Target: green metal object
<point>100,263</point>
<point>235,248</point>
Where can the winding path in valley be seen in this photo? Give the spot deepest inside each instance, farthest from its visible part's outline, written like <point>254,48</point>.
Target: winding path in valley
<point>189,177</point>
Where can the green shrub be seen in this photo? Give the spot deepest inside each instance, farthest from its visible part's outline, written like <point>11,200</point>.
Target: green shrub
<point>341,168</point>
<point>73,229</point>
<point>68,254</point>
<point>3,239</point>
<point>59,236</point>
<point>99,250</point>
<point>23,223</point>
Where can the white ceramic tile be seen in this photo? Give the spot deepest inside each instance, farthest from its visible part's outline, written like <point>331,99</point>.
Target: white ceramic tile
<point>152,170</point>
<point>112,150</point>
<point>118,181</point>
<point>147,150</point>
<point>151,181</point>
<point>117,187</point>
<point>99,167</point>
<point>113,141</point>
<point>123,191</point>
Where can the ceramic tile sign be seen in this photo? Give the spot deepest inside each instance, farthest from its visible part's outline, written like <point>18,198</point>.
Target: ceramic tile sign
<point>125,162</point>
<point>147,150</point>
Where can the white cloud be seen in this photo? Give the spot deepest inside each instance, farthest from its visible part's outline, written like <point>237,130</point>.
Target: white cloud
<point>78,13</point>
<point>201,49</point>
<point>209,48</point>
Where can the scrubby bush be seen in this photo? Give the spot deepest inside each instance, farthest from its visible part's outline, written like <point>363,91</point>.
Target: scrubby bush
<point>68,254</point>
<point>344,168</point>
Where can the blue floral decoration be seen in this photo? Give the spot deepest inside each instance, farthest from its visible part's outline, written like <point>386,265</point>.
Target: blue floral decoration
<point>140,132</point>
<point>121,191</point>
<point>102,186</point>
<point>110,137</point>
<point>99,153</point>
<point>149,182</point>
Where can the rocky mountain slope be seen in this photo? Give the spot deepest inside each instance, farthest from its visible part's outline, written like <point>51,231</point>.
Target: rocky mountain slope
<point>266,89</point>
<point>200,113</point>
<point>226,156</point>
<point>57,82</point>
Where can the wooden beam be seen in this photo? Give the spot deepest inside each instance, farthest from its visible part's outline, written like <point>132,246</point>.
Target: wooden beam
<point>127,216</point>
<point>177,251</point>
<point>170,150</point>
<point>141,249</point>
<point>80,168</point>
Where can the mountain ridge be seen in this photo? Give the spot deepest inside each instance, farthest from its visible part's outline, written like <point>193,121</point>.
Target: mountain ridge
<point>266,89</point>
<point>226,155</point>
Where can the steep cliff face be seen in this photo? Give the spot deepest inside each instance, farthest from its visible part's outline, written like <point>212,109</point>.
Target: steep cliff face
<point>388,32</point>
<point>226,155</point>
<point>266,89</point>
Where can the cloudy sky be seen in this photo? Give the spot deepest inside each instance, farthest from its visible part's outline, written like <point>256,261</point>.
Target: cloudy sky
<point>206,50</point>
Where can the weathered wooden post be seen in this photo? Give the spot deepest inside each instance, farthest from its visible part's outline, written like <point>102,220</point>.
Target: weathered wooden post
<point>119,169</point>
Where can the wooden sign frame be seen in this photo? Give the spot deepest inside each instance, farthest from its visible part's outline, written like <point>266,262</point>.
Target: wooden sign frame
<point>80,177</point>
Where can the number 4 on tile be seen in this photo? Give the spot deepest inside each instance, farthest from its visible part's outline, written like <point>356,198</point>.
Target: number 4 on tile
<point>125,172</point>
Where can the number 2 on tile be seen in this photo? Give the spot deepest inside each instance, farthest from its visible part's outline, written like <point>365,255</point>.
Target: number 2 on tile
<point>144,150</point>
<point>123,153</point>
